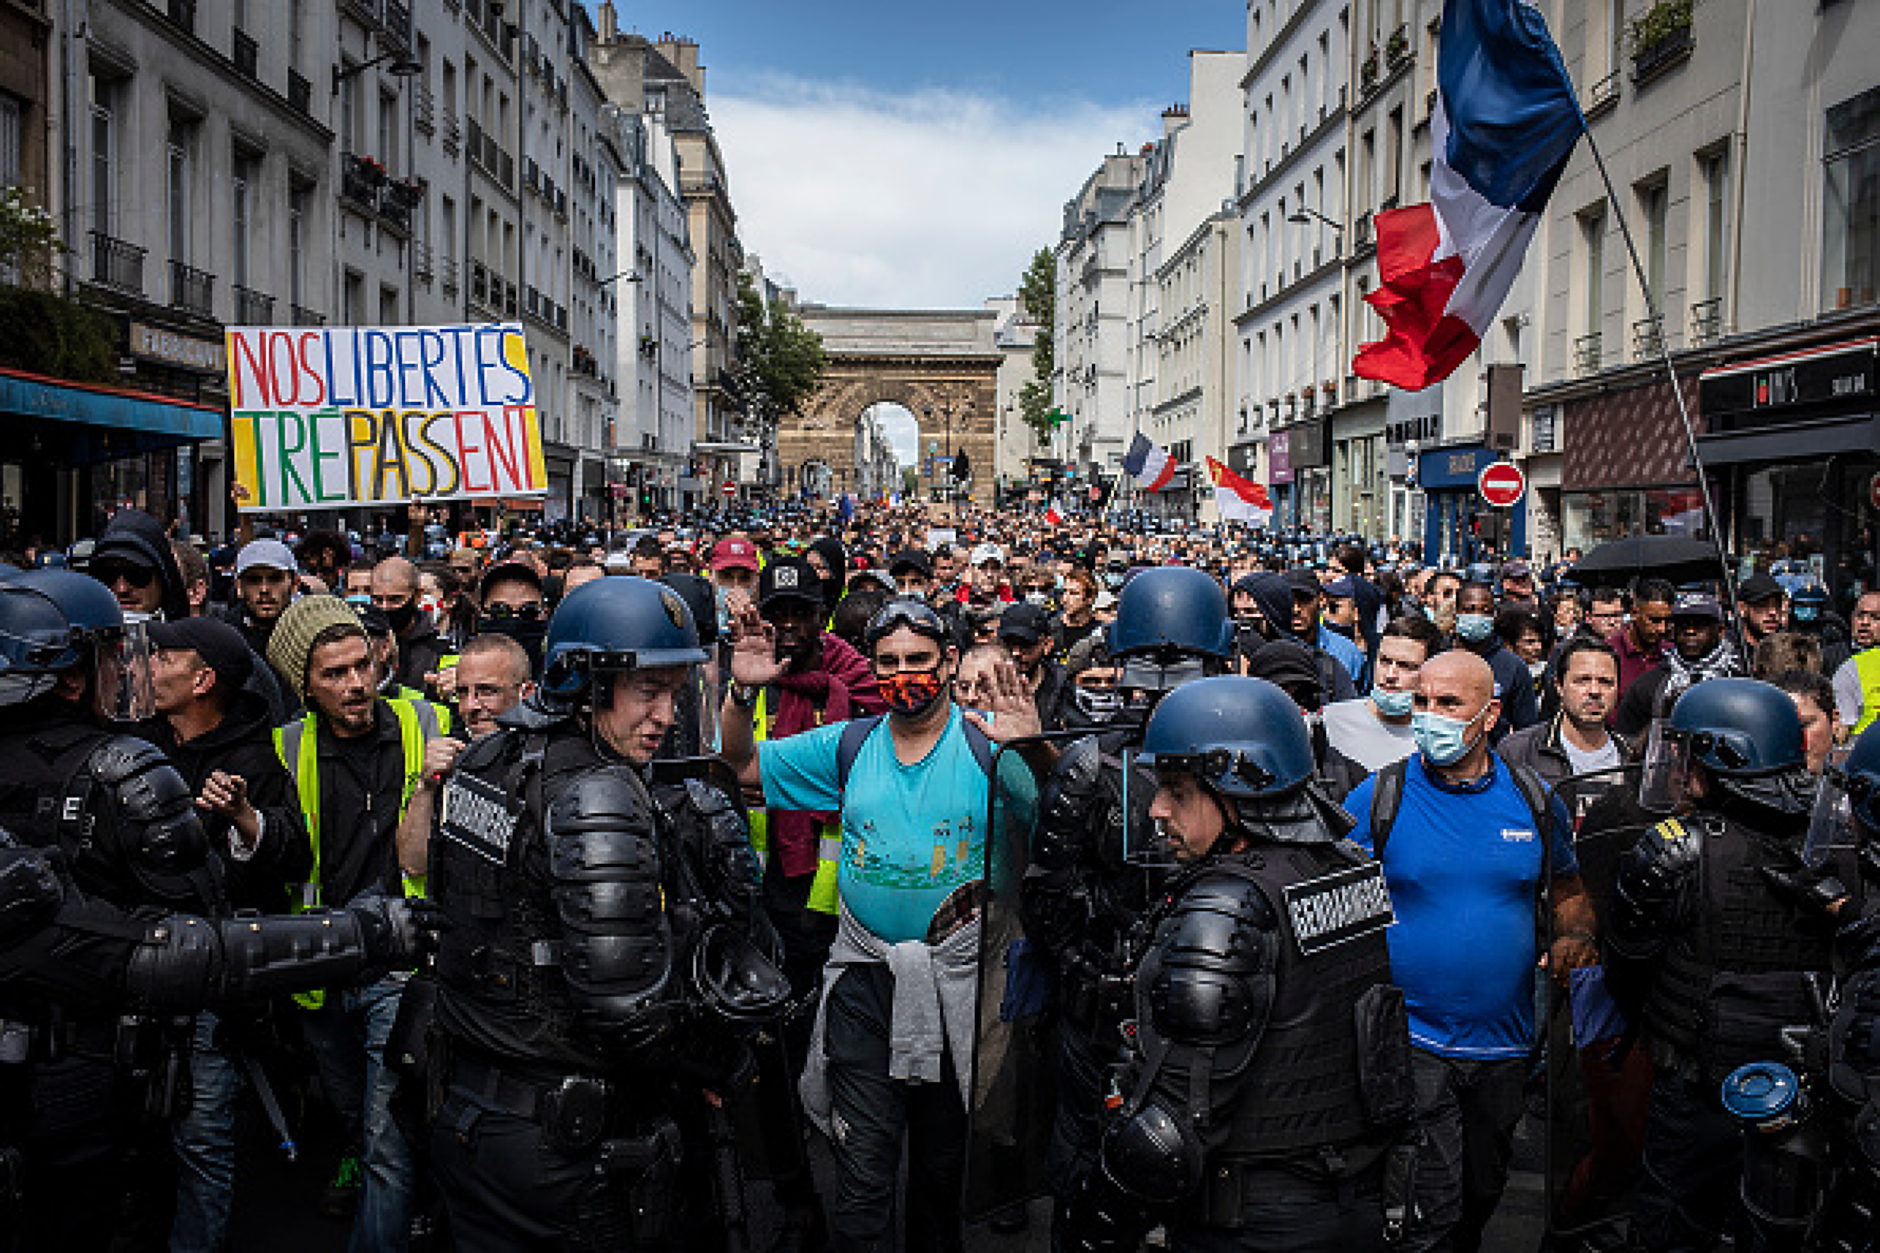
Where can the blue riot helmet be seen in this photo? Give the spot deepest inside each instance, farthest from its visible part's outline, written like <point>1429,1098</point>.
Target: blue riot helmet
<point>1242,738</point>
<point>1744,732</point>
<point>115,653</point>
<point>1847,808</point>
<point>615,624</point>
<point>1482,572</point>
<point>37,644</point>
<point>1172,626</point>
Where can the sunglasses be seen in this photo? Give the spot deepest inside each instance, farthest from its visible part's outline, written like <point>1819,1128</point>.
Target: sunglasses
<point>524,613</point>
<point>109,572</point>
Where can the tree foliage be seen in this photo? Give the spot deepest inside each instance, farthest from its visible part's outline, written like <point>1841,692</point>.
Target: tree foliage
<point>1037,296</point>
<point>780,361</point>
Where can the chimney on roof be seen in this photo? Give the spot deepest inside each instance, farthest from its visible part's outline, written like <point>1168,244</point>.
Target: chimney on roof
<point>683,53</point>
<point>610,22</point>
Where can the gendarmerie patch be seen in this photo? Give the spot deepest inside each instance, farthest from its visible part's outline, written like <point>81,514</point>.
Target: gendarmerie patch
<point>476,815</point>
<point>1328,911</point>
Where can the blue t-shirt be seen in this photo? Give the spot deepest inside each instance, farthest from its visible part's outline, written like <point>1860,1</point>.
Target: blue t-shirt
<point>1463,863</point>
<point>911,834</point>
<point>1348,653</point>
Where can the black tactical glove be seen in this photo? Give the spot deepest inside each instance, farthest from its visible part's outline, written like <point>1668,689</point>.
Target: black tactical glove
<point>396,932</point>
<point>1813,894</point>
<point>1101,1217</point>
<point>30,892</point>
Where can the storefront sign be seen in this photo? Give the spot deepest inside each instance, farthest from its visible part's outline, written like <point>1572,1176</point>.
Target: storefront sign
<point>1441,468</point>
<point>1826,379</point>
<point>1424,429</point>
<point>1308,446</point>
<point>1279,457</point>
<point>153,343</point>
<point>329,417</point>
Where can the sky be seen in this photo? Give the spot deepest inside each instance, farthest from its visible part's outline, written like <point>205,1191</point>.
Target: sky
<point>911,155</point>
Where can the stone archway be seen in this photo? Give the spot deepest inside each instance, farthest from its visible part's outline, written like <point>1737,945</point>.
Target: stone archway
<point>942,365</point>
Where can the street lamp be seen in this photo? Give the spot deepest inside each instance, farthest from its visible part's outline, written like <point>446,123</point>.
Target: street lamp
<point>404,65</point>
<point>1303,216</point>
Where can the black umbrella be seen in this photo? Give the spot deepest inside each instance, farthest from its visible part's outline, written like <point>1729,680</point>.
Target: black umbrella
<point>1675,558</point>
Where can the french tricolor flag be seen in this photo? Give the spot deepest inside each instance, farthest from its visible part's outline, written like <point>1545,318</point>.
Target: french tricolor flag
<point>1150,466</point>
<point>1506,120</point>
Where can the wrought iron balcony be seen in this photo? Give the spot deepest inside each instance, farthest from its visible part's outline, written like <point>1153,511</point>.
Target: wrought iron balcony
<point>192,290</point>
<point>1603,94</point>
<point>1667,51</point>
<point>1363,234</point>
<point>448,279</point>
<point>117,264</point>
<point>480,283</point>
<point>422,266</point>
<point>1586,353</point>
<point>304,316</point>
<point>1707,320</point>
<point>424,110</point>
<point>360,179</point>
<point>1648,339</point>
<point>251,307</point>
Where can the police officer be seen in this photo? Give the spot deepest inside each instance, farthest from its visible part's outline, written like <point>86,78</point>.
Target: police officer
<point>1721,935</point>
<point>114,890</point>
<point>1080,896</point>
<point>599,971</point>
<point>1265,1095</point>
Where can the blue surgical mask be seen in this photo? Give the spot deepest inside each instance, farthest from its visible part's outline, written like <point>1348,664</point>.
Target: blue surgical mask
<point>1443,741</point>
<point>1806,613</point>
<point>1392,704</point>
<point>1474,627</point>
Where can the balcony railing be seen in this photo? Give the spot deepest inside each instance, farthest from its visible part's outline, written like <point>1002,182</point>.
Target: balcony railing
<point>1648,339</point>
<point>245,52</point>
<point>366,11</point>
<point>424,110</point>
<point>1586,353</point>
<point>360,180</point>
<point>511,301</point>
<point>1707,320</point>
<point>304,316</point>
<point>251,307</point>
<point>299,92</point>
<point>453,134</point>
<point>1603,94</point>
<point>448,279</point>
<point>116,264</point>
<point>1671,48</point>
<point>1363,234</point>
<point>422,266</point>
<point>192,290</point>
<point>398,21</point>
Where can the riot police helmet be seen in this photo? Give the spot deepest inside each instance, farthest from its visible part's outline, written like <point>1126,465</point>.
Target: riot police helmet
<point>1808,602</point>
<point>622,622</point>
<point>1739,728</point>
<point>1860,775</point>
<point>1242,737</point>
<point>1172,610</point>
<point>90,609</point>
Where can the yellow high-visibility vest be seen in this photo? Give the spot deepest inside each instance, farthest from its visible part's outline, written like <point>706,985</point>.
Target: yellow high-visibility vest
<point>822,889</point>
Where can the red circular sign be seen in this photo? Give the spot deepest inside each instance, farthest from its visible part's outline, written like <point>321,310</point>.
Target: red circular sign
<point>1501,484</point>
<point>1873,491</point>
<point>730,488</point>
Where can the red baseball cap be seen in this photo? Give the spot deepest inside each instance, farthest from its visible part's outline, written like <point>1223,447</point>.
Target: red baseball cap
<point>734,553</point>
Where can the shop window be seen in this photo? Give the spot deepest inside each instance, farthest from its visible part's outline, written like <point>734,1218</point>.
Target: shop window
<point>1851,211</point>
<point>1590,518</point>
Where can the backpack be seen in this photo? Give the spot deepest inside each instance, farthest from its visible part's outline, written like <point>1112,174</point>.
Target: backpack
<point>1387,798</point>
<point>857,730</point>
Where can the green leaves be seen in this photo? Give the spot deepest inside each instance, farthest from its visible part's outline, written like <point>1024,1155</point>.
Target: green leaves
<point>780,361</point>
<point>1037,296</point>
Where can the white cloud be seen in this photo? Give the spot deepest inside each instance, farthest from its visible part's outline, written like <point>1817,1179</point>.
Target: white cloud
<point>933,198</point>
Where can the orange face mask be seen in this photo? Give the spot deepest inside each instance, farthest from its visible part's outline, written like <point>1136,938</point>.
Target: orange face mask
<point>911,692</point>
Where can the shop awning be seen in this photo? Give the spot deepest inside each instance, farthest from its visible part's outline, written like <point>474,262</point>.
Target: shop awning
<point>36,396</point>
<point>1791,441</point>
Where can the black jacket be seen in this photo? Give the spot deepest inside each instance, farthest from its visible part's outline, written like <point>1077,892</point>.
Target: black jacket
<point>243,745</point>
<point>419,652</point>
<point>1539,749</point>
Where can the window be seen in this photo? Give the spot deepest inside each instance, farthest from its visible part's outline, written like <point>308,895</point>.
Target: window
<point>388,306</point>
<point>355,290</point>
<point>1652,201</point>
<point>181,140</point>
<point>104,102</point>
<point>296,33</point>
<point>1851,208</point>
<point>1593,246</point>
<point>297,198</point>
<point>1715,170</point>
<point>387,151</point>
<point>9,140</point>
<point>348,108</point>
<point>241,185</point>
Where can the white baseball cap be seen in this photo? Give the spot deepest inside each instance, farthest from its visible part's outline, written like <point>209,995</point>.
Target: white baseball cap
<point>265,552</point>
<point>988,552</point>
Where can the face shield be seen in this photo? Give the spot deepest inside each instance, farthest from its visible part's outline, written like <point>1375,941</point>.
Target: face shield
<point>1664,769</point>
<point>1832,826</point>
<point>1145,840</point>
<point>122,686</point>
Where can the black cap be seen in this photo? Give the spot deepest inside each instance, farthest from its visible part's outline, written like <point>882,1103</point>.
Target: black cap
<point>508,572</point>
<point>1024,623</point>
<point>788,578</point>
<point>912,559</point>
<point>220,646</point>
<point>1305,581</point>
<point>1757,588</point>
<point>376,621</point>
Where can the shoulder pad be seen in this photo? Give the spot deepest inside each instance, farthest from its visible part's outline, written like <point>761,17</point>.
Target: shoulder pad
<point>535,714</point>
<point>118,757</point>
<point>480,754</point>
<point>1673,844</point>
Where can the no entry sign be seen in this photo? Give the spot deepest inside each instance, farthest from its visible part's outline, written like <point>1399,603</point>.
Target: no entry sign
<point>730,488</point>
<point>1501,484</point>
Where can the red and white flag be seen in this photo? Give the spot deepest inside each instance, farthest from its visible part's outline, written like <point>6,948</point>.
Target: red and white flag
<point>1053,514</point>
<point>1239,499</point>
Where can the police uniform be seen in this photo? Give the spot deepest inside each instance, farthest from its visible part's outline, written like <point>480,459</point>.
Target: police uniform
<point>1264,1100</point>
<point>1715,947</point>
<point>595,974</point>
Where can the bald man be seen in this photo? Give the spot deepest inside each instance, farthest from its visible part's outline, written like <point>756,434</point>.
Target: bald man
<point>395,590</point>
<point>1467,847</point>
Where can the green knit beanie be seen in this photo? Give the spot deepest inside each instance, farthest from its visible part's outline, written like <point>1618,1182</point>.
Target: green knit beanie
<point>298,627</point>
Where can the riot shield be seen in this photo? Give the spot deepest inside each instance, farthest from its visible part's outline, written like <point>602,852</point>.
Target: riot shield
<point>710,769</point>
<point>1597,1072</point>
<point>1011,1103</point>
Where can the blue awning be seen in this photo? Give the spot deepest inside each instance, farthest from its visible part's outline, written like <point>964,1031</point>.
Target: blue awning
<point>97,406</point>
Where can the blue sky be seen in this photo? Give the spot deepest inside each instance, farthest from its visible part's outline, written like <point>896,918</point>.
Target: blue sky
<point>890,154</point>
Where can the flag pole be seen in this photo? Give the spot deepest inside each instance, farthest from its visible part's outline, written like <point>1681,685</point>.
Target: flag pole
<point>1677,393</point>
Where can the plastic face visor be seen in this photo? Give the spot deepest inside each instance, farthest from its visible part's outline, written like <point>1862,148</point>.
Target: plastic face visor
<point>1145,674</point>
<point>123,685</point>
<point>1832,825</point>
<point>1665,768</point>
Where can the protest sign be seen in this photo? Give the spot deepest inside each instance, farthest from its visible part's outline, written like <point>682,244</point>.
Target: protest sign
<point>326,417</point>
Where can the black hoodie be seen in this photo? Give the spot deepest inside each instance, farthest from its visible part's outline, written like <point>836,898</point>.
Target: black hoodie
<point>243,745</point>
<point>136,535</point>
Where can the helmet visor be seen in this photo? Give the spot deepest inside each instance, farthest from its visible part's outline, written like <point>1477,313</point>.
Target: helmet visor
<point>1664,768</point>
<point>123,685</point>
<point>1146,842</point>
<point>1831,823</point>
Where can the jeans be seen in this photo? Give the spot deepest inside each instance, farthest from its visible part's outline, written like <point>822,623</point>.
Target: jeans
<point>204,1141</point>
<point>347,1035</point>
<point>872,1114</point>
<point>1467,1111</point>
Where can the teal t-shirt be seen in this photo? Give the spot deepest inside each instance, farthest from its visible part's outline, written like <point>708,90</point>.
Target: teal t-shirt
<point>911,834</point>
